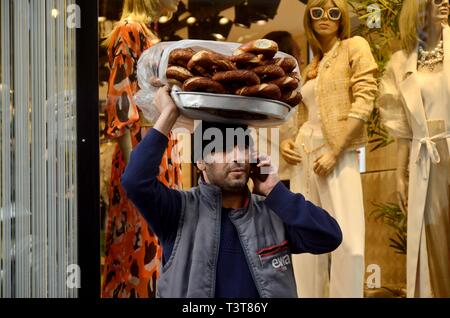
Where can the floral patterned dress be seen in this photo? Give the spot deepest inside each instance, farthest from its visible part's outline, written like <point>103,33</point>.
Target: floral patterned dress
<point>132,251</point>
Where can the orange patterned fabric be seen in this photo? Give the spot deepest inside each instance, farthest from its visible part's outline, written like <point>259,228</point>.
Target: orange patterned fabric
<point>128,41</point>
<point>132,251</point>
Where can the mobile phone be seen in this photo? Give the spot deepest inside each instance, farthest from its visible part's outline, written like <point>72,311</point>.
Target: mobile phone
<point>255,172</point>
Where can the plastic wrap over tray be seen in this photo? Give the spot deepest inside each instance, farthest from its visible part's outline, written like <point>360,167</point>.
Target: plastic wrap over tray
<point>253,111</point>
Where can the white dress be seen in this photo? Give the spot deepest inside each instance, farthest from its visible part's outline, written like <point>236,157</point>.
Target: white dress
<point>314,276</point>
<point>433,274</point>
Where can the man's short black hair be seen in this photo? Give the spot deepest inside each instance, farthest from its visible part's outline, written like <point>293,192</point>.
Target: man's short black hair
<point>199,143</point>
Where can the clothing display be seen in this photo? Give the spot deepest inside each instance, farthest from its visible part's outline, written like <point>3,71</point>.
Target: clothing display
<point>413,109</point>
<point>132,251</point>
<point>345,276</point>
<point>346,87</point>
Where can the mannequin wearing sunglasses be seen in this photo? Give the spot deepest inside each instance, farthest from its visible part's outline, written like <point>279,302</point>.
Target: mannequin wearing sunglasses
<point>414,103</point>
<point>338,90</point>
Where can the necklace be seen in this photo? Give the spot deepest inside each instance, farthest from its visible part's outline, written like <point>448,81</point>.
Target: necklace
<point>431,58</point>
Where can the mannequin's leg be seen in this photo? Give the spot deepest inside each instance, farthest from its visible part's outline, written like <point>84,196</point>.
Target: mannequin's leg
<point>341,195</point>
<point>437,225</point>
<point>311,271</point>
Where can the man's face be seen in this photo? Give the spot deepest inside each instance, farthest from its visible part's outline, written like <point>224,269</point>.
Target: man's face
<point>229,170</point>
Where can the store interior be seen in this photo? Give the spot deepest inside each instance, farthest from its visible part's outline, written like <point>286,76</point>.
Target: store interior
<point>238,21</point>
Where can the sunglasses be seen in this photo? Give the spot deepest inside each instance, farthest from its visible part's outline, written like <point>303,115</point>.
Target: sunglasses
<point>334,14</point>
<point>438,2</point>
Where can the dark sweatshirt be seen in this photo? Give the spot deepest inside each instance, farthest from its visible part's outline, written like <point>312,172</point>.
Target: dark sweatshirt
<point>309,229</point>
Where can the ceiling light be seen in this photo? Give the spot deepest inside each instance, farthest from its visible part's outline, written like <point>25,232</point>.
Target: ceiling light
<point>191,20</point>
<point>218,36</point>
<point>163,19</point>
<point>55,13</point>
<point>223,21</point>
<point>261,22</point>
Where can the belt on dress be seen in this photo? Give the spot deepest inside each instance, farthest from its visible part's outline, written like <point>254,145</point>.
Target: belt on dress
<point>429,144</point>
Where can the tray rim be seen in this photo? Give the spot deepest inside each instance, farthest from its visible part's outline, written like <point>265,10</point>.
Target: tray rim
<point>180,92</point>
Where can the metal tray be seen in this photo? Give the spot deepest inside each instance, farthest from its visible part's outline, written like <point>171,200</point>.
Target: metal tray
<point>231,108</point>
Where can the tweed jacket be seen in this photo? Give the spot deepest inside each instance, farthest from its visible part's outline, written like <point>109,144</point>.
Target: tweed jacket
<point>346,87</point>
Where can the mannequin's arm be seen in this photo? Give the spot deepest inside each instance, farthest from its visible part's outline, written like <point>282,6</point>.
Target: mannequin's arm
<point>354,128</point>
<point>325,164</point>
<point>403,149</point>
<point>287,147</point>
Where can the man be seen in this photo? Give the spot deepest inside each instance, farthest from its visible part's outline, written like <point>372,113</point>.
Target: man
<point>218,239</point>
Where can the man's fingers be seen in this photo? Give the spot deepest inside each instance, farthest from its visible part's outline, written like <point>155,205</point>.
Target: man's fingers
<point>156,82</point>
<point>265,163</point>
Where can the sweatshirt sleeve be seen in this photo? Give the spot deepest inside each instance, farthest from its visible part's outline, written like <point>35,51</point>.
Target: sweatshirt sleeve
<point>363,82</point>
<point>309,228</point>
<point>160,205</point>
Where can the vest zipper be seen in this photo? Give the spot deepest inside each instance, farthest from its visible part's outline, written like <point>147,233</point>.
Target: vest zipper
<point>258,287</point>
<point>218,247</point>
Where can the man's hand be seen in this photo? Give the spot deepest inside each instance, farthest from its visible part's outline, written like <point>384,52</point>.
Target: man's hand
<point>164,102</point>
<point>289,154</point>
<point>325,164</point>
<point>264,175</point>
<point>169,111</point>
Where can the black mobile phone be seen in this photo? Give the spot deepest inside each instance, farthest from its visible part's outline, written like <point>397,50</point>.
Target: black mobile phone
<point>255,172</point>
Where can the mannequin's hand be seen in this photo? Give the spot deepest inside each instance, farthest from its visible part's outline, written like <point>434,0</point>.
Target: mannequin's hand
<point>264,183</point>
<point>289,154</point>
<point>325,164</point>
<point>402,191</point>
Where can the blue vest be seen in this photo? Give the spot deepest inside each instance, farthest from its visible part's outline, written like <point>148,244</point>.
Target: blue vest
<point>190,272</point>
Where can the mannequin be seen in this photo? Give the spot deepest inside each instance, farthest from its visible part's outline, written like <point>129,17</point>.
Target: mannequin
<point>287,44</point>
<point>132,251</point>
<point>418,115</point>
<point>338,92</point>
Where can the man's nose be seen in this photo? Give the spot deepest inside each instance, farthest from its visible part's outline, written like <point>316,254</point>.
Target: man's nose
<point>237,155</point>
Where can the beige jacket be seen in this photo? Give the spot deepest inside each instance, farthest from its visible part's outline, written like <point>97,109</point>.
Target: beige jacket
<point>346,87</point>
<point>403,113</point>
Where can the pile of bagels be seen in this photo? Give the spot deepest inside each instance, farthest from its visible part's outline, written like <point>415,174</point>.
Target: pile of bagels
<point>251,71</point>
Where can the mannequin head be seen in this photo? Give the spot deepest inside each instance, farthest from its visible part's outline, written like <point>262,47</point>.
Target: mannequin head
<point>437,11</point>
<point>416,18</point>
<point>327,26</point>
<point>145,10</point>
